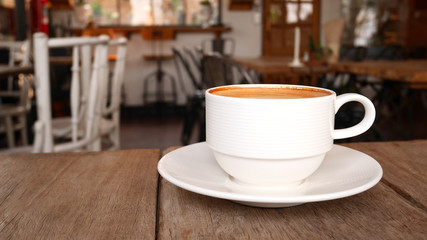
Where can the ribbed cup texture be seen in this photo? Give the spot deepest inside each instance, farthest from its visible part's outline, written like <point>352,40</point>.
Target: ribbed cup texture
<point>270,128</point>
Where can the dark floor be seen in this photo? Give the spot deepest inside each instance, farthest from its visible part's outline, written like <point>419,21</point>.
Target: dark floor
<point>153,127</point>
<point>151,132</point>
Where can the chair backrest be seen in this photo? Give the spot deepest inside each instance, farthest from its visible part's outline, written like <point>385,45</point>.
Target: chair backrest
<point>81,56</point>
<point>225,46</point>
<point>19,52</point>
<point>19,55</point>
<point>113,93</point>
<point>196,57</point>
<point>221,70</point>
<point>181,60</point>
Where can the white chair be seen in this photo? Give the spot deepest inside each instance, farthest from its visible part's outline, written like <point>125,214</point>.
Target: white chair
<point>81,117</point>
<point>110,119</point>
<point>111,98</point>
<point>14,115</point>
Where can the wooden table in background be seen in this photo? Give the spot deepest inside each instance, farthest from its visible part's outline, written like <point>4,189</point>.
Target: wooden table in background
<point>117,194</point>
<point>399,92</point>
<point>412,72</point>
<point>393,209</point>
<point>276,70</point>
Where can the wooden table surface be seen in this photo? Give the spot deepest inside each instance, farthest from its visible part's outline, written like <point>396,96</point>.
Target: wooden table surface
<point>413,72</point>
<point>118,195</point>
<point>79,195</point>
<point>393,209</point>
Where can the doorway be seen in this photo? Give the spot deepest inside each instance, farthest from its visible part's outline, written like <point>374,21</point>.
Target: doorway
<point>280,17</point>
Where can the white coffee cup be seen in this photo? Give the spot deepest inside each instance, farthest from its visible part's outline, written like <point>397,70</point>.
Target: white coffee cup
<point>275,135</point>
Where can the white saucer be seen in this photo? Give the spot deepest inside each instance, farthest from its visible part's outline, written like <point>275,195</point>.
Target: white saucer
<point>343,173</point>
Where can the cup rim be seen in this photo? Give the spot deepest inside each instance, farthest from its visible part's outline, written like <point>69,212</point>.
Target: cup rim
<point>332,93</point>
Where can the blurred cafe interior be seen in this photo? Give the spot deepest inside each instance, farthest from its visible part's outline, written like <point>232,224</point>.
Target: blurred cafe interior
<point>175,49</point>
<point>103,116</point>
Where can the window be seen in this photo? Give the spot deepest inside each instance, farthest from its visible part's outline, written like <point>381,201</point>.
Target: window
<point>7,3</point>
<point>149,12</point>
<point>370,22</point>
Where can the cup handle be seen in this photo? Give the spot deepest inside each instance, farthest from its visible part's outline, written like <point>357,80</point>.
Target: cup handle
<point>361,127</point>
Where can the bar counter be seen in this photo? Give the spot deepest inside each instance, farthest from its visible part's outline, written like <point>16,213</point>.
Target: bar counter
<point>127,30</point>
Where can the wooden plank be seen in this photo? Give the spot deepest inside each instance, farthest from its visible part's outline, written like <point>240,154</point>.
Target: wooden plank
<point>379,213</point>
<point>404,164</point>
<point>79,195</point>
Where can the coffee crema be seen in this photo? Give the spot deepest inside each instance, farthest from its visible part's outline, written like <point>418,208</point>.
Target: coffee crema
<point>288,92</point>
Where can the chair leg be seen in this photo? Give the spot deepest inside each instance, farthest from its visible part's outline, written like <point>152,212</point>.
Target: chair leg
<point>202,128</point>
<point>24,137</point>
<point>9,132</point>
<point>38,137</point>
<point>188,123</point>
<point>146,92</point>
<point>195,115</point>
<point>115,138</point>
<point>159,77</point>
<point>173,85</point>
<point>96,145</point>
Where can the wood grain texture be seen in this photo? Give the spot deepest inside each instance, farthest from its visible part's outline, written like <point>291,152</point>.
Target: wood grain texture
<point>404,164</point>
<point>79,195</point>
<point>379,213</point>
